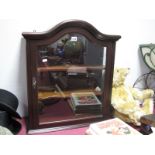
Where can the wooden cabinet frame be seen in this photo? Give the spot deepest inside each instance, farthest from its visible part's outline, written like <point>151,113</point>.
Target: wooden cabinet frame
<point>35,39</point>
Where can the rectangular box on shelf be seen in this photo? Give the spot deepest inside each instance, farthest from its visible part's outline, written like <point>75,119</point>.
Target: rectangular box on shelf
<point>85,102</point>
<point>85,99</point>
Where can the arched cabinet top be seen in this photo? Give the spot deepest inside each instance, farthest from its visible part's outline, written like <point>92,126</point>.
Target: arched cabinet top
<point>70,24</point>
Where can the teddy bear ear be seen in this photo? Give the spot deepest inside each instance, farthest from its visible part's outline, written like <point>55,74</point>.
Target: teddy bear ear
<point>116,69</point>
<point>129,70</point>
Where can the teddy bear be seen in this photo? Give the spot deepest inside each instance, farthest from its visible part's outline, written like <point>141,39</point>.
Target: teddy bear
<point>129,103</point>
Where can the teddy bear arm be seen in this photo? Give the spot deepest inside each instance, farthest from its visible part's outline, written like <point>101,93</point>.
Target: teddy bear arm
<point>141,94</point>
<point>137,94</point>
<point>148,106</point>
<point>147,93</point>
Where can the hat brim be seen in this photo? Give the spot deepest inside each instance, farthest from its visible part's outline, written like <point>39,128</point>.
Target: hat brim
<point>14,126</point>
<point>10,110</point>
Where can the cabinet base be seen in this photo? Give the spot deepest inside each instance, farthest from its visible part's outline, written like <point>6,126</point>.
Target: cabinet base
<point>45,130</point>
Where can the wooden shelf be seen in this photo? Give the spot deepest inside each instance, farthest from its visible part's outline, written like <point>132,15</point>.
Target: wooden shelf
<point>69,68</point>
<point>42,95</point>
<point>65,113</point>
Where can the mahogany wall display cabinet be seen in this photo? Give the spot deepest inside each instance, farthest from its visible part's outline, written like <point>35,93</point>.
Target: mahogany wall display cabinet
<point>69,75</point>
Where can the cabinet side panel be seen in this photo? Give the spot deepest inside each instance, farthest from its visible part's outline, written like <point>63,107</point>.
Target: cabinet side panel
<point>110,58</point>
<point>32,118</point>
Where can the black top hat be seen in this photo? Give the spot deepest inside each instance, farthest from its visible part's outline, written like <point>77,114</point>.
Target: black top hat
<point>9,103</point>
<point>9,123</point>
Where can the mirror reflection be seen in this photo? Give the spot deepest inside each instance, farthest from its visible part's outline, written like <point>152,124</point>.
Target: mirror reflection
<point>70,77</point>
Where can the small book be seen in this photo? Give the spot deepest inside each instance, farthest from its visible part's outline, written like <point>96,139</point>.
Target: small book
<point>113,126</point>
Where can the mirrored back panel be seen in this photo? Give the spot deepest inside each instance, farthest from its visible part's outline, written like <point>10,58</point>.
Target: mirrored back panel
<point>70,78</point>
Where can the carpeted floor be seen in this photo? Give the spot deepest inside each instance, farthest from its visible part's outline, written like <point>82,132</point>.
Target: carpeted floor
<point>77,131</point>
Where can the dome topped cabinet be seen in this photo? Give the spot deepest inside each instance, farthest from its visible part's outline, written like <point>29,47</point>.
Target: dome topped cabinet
<point>69,73</point>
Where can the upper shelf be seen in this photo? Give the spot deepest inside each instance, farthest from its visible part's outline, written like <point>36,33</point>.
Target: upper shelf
<point>70,68</point>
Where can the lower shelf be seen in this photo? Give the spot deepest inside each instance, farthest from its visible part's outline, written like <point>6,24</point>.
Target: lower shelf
<point>42,95</point>
<point>64,113</point>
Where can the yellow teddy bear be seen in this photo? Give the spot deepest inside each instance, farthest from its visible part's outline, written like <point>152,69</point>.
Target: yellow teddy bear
<point>130,103</point>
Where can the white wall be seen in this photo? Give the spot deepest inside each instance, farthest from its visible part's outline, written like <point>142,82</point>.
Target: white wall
<point>29,16</point>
